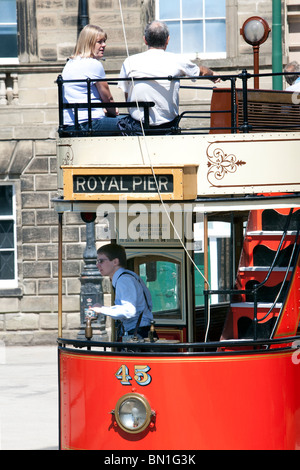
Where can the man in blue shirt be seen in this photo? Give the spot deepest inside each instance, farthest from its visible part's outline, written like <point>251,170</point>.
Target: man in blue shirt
<point>133,303</point>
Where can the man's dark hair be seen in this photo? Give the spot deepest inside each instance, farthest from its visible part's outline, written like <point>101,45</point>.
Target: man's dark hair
<point>156,34</point>
<point>112,251</point>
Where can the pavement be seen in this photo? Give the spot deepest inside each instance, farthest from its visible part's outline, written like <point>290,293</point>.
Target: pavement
<point>28,397</point>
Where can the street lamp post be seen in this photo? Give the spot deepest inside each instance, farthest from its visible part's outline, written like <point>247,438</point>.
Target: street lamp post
<point>255,32</point>
<point>83,15</point>
<point>91,282</point>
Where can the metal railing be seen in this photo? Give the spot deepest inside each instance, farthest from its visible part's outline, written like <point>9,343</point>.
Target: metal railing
<point>253,293</point>
<point>203,115</point>
<point>213,348</point>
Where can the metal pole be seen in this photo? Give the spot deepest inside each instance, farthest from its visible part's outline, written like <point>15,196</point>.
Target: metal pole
<point>277,44</point>
<point>206,299</point>
<point>205,223</point>
<point>60,275</point>
<point>245,126</point>
<point>83,16</point>
<point>59,82</point>
<point>256,66</point>
<point>233,107</point>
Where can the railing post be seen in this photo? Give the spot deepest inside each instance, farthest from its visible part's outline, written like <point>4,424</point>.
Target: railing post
<point>60,279</point>
<point>76,122</point>
<point>89,104</point>
<point>59,82</point>
<point>245,126</point>
<point>146,117</point>
<point>206,306</point>
<point>233,106</point>
<point>255,314</point>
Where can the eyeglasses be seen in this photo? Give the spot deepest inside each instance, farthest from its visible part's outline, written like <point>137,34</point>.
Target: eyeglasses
<point>101,260</point>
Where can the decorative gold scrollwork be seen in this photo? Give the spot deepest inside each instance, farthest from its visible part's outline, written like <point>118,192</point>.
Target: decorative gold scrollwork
<point>220,164</point>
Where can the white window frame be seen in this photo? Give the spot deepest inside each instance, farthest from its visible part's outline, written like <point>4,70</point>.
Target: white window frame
<point>11,283</point>
<point>195,55</point>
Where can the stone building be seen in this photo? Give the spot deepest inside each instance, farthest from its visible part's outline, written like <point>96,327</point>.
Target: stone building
<point>37,37</point>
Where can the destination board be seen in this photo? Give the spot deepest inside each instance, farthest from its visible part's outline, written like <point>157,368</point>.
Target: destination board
<point>116,183</point>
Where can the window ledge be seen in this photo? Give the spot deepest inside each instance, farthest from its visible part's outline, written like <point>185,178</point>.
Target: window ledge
<point>9,61</point>
<point>17,292</point>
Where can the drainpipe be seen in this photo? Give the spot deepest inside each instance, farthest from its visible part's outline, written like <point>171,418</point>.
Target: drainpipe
<point>83,16</point>
<point>276,44</point>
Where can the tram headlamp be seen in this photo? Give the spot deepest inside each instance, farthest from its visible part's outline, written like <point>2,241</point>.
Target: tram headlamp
<point>133,413</point>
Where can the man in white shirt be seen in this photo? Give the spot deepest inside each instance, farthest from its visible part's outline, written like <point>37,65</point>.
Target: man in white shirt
<point>156,62</point>
<point>292,80</point>
<point>133,303</point>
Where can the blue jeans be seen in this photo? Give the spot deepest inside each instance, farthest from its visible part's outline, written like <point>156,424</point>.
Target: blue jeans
<point>130,126</point>
<point>105,124</point>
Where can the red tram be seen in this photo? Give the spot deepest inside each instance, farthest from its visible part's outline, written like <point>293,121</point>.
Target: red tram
<point>223,244</point>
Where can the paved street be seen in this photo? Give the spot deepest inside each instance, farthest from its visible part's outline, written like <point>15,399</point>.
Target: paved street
<point>28,398</point>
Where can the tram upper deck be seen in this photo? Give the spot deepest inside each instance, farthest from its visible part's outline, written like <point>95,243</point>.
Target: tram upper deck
<point>211,157</point>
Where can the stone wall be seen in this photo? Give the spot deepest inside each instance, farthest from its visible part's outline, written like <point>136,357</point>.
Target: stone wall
<point>57,25</point>
<point>28,314</point>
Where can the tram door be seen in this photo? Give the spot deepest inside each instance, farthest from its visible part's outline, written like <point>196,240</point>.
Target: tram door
<point>155,253</point>
<point>164,271</point>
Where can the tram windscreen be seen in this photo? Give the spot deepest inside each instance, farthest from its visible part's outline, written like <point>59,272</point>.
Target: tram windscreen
<point>163,280</point>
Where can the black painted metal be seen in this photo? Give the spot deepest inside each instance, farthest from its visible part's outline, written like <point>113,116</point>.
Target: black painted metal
<point>181,349</point>
<point>244,127</point>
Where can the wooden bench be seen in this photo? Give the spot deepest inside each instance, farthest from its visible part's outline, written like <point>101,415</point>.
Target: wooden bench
<point>267,110</point>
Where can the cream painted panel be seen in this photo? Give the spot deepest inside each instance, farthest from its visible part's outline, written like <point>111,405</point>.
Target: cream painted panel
<point>227,164</point>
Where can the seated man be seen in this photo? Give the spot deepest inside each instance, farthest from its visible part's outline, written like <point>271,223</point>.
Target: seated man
<point>293,80</point>
<point>155,62</point>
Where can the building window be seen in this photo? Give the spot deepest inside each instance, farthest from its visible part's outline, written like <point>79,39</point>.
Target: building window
<point>8,31</point>
<point>197,27</point>
<point>8,256</point>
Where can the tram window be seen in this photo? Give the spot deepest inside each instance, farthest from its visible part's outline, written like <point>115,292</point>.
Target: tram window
<point>164,289</point>
<point>219,259</point>
<point>163,278</point>
<point>7,237</point>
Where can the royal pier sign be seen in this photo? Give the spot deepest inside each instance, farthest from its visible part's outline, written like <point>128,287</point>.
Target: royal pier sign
<point>109,183</point>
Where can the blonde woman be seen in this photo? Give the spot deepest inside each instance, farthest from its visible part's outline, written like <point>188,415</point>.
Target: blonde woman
<point>85,63</point>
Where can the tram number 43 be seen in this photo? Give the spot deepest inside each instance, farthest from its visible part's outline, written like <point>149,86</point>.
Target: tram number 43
<point>141,375</point>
